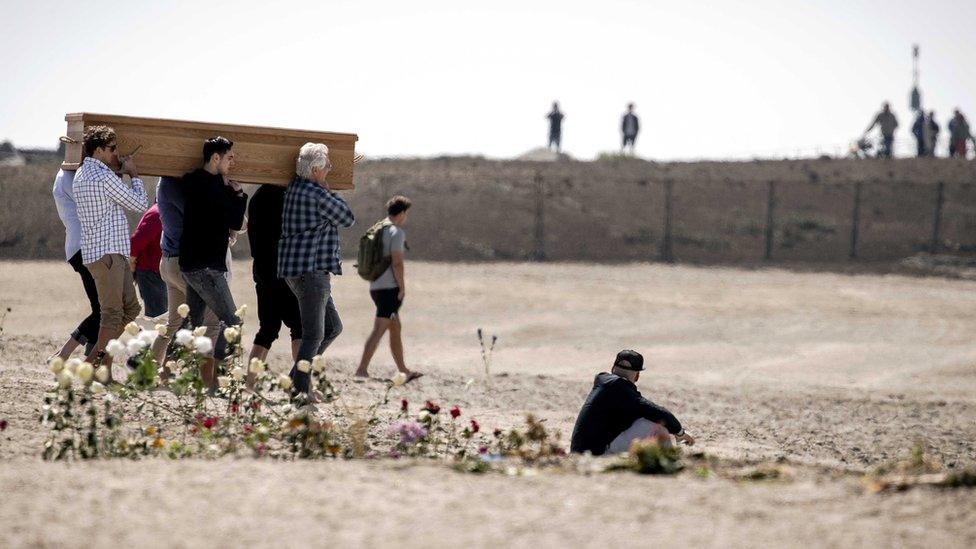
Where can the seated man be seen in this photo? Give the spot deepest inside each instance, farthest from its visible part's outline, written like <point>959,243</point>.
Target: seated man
<point>615,413</point>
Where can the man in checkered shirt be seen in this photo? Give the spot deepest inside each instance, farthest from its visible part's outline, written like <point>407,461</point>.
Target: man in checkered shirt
<point>102,198</point>
<point>308,254</point>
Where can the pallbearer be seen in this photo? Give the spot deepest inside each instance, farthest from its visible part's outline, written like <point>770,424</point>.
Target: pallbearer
<point>308,254</point>
<point>215,206</point>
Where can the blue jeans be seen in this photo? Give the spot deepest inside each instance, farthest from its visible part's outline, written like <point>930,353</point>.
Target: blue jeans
<point>208,288</point>
<point>153,292</point>
<point>321,324</point>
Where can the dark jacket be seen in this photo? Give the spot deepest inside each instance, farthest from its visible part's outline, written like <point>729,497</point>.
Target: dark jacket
<point>611,407</point>
<point>264,227</point>
<point>211,211</point>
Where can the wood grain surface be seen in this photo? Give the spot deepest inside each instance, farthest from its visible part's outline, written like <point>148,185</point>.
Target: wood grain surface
<point>174,147</point>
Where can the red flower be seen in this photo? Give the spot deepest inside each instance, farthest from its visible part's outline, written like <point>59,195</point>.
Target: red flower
<point>255,404</point>
<point>431,407</point>
<point>403,405</point>
<point>247,428</point>
<point>483,450</point>
<point>233,409</point>
<point>209,422</point>
<point>475,427</point>
<point>3,425</point>
<point>455,412</point>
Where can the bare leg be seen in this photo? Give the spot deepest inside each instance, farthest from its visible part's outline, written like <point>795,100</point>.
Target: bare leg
<point>208,372</point>
<point>396,344</point>
<point>65,351</point>
<point>379,328</point>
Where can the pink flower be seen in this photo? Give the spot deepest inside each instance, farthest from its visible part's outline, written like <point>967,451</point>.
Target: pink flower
<point>260,449</point>
<point>255,405</point>
<point>483,450</point>
<point>209,422</point>
<point>233,409</point>
<point>455,412</point>
<point>247,428</point>
<point>431,407</point>
<point>408,431</point>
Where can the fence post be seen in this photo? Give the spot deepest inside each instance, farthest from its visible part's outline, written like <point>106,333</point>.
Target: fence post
<point>770,221</point>
<point>937,222</point>
<point>540,235</point>
<point>855,220</point>
<point>667,250</point>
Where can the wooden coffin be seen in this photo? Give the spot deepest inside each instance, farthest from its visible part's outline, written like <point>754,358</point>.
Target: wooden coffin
<point>174,147</point>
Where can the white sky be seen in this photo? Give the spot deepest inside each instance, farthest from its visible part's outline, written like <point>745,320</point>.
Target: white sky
<point>713,79</point>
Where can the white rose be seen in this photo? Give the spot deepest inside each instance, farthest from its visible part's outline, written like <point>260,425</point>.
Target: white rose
<point>183,310</point>
<point>199,331</point>
<point>256,366</point>
<point>304,366</point>
<point>231,334</point>
<point>132,329</point>
<point>146,337</point>
<point>85,371</point>
<point>162,330</point>
<point>237,373</point>
<point>284,382</point>
<point>101,374</point>
<point>65,378</point>
<point>171,366</point>
<point>263,430</point>
<point>56,365</point>
<point>242,311</point>
<point>135,346</point>
<point>223,381</point>
<point>97,388</point>
<point>424,414</point>
<point>202,345</point>
<point>116,349</point>
<point>72,365</point>
<point>318,363</point>
<point>184,337</point>
<point>399,379</point>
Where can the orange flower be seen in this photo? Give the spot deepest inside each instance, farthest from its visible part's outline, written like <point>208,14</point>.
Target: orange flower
<point>158,443</point>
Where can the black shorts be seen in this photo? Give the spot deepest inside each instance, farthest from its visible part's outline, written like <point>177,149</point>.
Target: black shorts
<point>277,305</point>
<point>387,302</point>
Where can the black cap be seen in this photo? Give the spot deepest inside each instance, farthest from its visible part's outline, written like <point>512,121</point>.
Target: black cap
<point>629,360</point>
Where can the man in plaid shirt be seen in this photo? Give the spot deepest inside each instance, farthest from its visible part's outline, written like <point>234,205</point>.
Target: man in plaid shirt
<point>102,198</point>
<point>308,253</point>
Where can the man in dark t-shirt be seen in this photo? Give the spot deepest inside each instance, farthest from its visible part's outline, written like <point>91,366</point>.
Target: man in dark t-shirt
<point>615,413</point>
<point>276,302</point>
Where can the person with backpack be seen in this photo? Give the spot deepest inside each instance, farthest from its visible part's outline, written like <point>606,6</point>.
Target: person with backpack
<point>381,252</point>
<point>309,254</point>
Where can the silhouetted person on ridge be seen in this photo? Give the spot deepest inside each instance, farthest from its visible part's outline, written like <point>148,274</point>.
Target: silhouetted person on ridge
<point>918,130</point>
<point>887,123</point>
<point>629,126</point>
<point>555,126</point>
<point>931,133</point>
<point>959,134</point>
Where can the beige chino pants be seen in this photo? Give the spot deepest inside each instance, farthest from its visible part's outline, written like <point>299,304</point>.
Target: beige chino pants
<point>169,271</point>
<point>116,291</point>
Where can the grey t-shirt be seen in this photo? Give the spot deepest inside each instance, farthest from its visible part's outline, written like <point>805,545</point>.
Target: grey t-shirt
<point>394,240</point>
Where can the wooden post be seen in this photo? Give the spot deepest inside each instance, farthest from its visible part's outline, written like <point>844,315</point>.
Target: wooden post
<point>667,250</point>
<point>540,227</point>
<point>937,222</point>
<point>855,220</point>
<point>770,221</point>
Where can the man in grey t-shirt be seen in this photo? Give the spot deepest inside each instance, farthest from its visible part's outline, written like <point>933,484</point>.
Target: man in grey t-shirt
<point>389,290</point>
